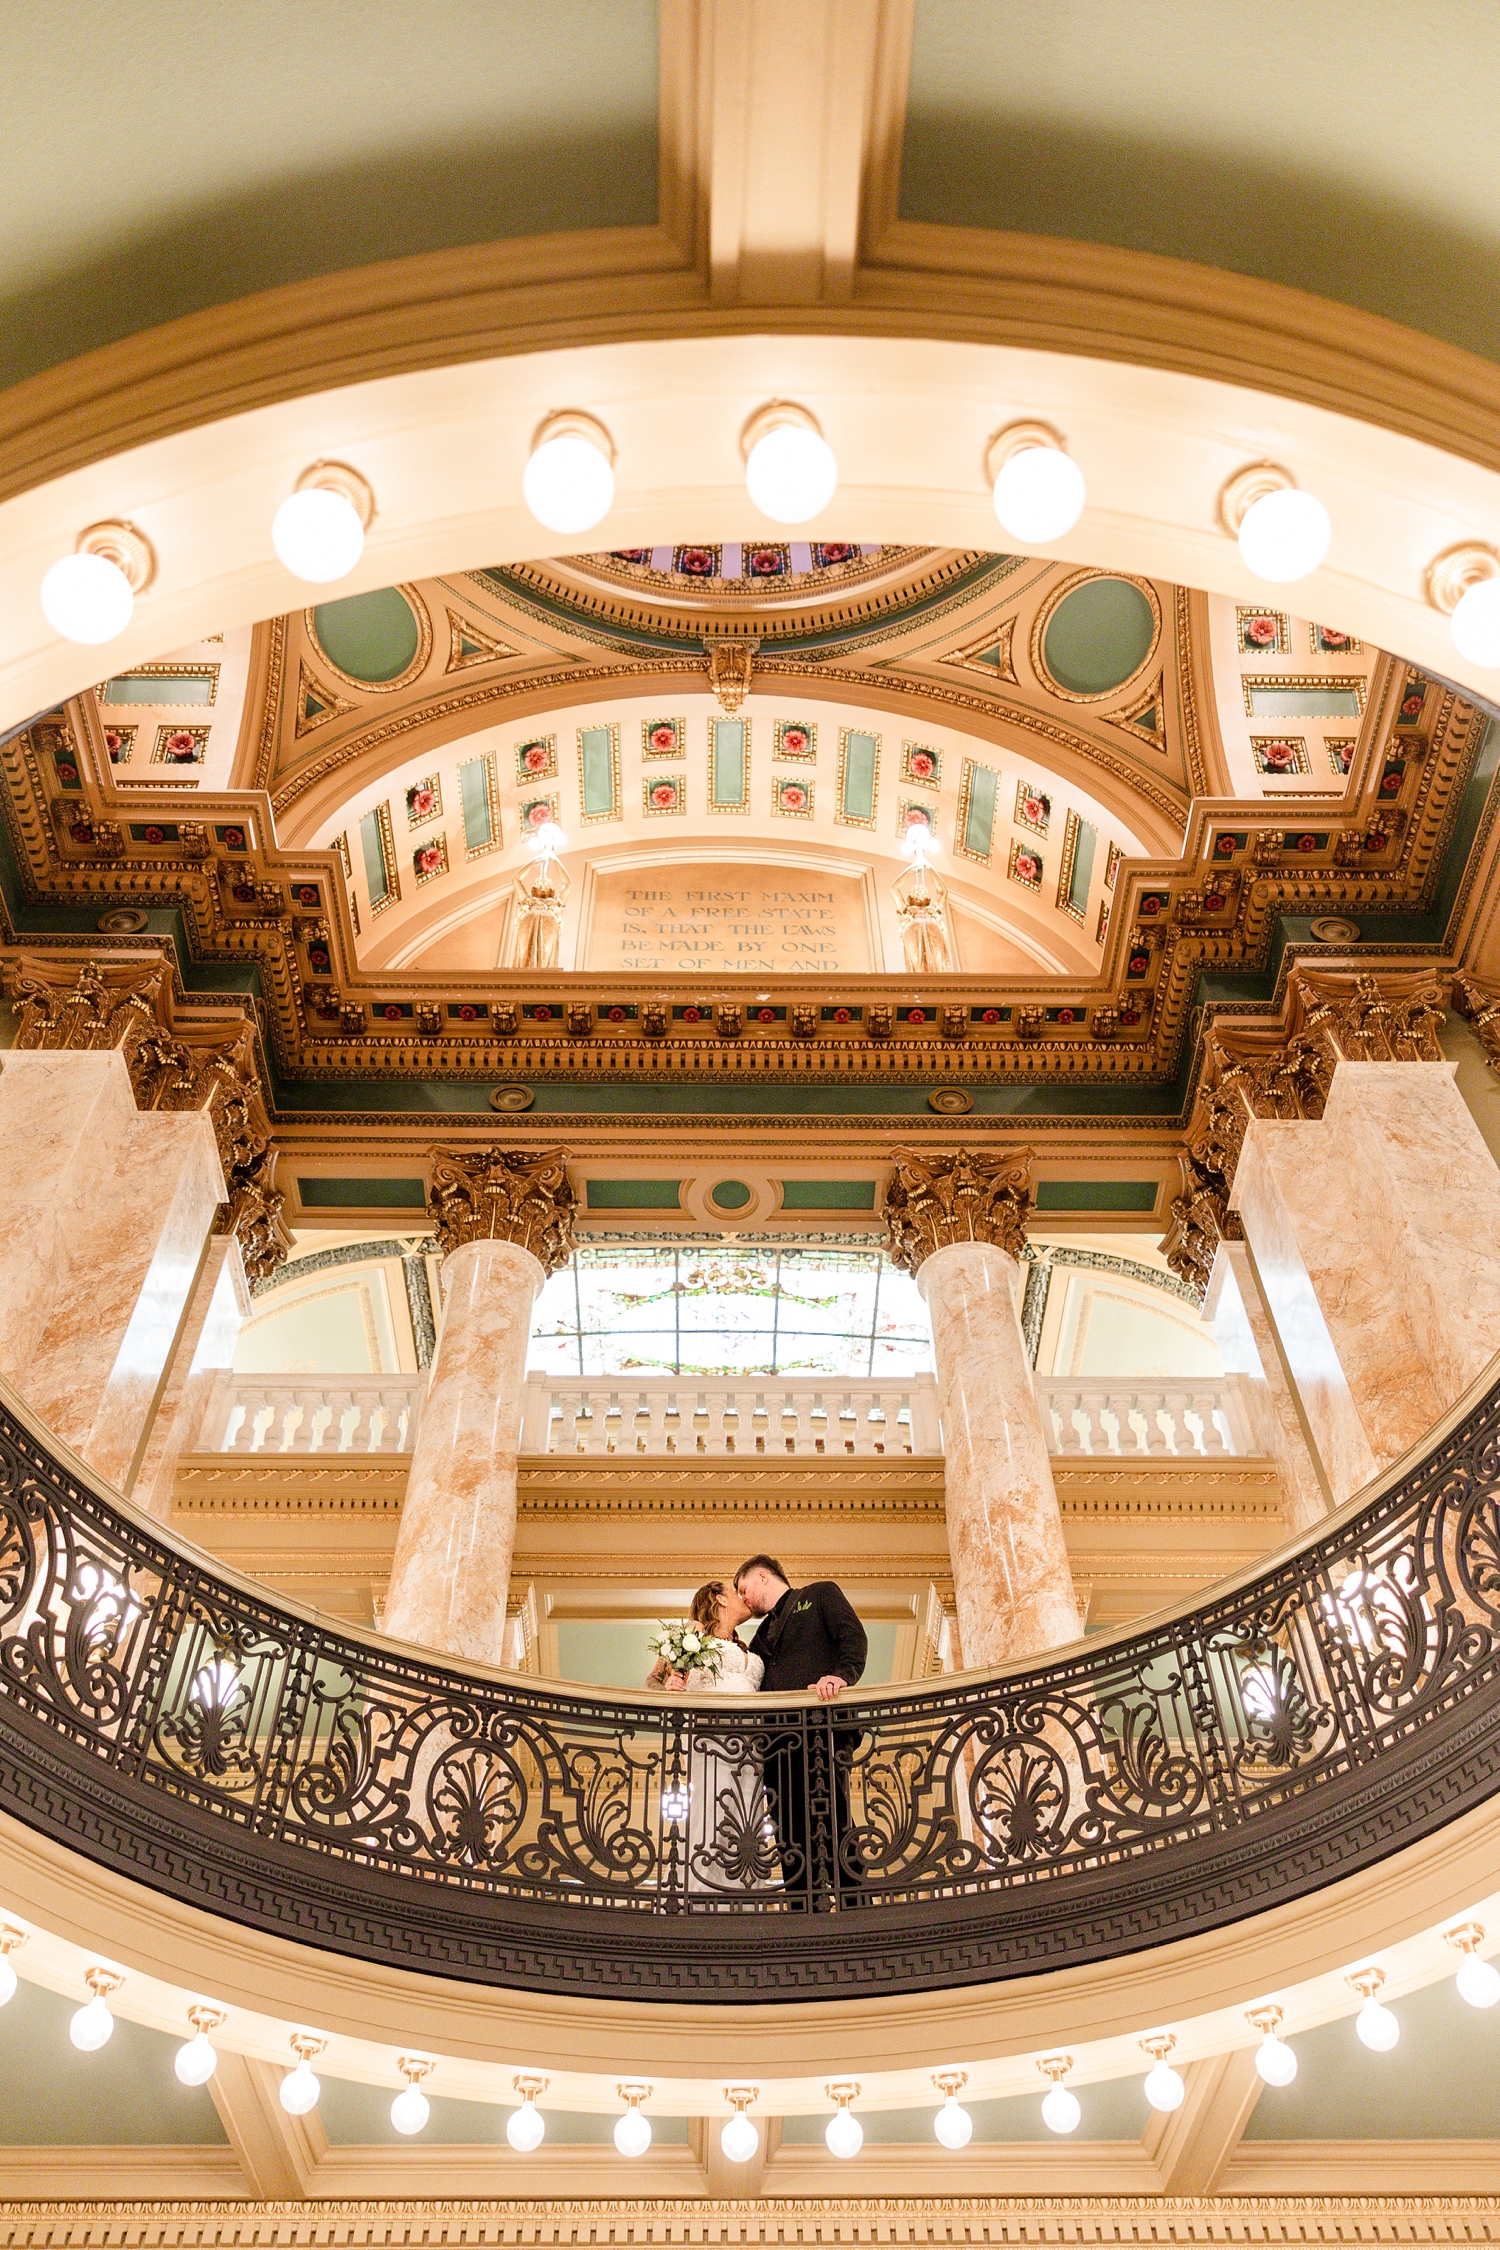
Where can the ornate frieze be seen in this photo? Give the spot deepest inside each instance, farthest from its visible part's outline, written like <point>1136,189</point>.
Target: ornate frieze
<point>504,1195</point>
<point>935,1201</point>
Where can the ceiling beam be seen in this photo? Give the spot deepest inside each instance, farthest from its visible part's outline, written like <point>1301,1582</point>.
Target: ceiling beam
<point>1193,2144</point>
<point>278,2154</point>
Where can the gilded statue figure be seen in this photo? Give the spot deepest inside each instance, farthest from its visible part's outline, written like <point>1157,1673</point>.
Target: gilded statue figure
<point>922,911</point>
<point>541,895</point>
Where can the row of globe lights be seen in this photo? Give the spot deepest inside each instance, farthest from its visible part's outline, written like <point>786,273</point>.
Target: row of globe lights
<point>91,2027</point>
<point>791,474</point>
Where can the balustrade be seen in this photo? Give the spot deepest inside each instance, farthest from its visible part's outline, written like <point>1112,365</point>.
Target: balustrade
<point>1209,1417</point>
<point>1193,1416</point>
<point>759,1415</point>
<point>301,1414</point>
<point>1270,1738</point>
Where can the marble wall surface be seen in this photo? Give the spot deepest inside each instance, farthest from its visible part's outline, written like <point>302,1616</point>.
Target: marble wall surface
<point>104,1213</point>
<point>1248,1345</point>
<point>1376,1235</point>
<point>1012,1587</point>
<point>219,1307</point>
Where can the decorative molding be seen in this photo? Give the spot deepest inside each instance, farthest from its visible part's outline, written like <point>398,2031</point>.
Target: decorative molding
<point>956,1196</point>
<point>504,1195</point>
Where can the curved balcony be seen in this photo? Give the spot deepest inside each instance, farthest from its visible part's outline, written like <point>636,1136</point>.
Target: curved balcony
<point>173,1724</point>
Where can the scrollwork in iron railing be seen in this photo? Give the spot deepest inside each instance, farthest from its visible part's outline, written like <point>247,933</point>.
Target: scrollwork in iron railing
<point>173,1722</point>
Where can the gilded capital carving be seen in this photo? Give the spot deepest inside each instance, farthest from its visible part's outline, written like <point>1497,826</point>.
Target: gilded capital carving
<point>934,1201</point>
<point>1477,1000</point>
<point>504,1195</point>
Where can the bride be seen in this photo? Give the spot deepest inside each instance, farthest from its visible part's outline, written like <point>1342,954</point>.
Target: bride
<point>731,1845</point>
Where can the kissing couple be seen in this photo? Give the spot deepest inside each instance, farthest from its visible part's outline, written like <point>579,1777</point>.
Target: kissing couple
<point>806,1638</point>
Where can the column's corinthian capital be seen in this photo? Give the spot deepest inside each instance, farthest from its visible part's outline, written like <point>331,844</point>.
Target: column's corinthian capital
<point>956,1195</point>
<point>504,1195</point>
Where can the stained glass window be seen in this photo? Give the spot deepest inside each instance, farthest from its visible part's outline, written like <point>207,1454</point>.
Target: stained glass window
<point>730,1311</point>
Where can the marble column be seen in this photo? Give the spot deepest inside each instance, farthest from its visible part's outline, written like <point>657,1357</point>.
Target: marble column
<point>1376,1234</point>
<point>219,1307</point>
<point>104,1212</point>
<point>504,1219</point>
<point>1248,1345</point>
<point>958,1223</point>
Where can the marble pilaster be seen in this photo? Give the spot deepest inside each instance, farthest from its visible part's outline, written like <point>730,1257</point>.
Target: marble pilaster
<point>104,1212</point>
<point>1376,1233</point>
<point>219,1307</point>
<point>958,1223</point>
<point>1247,1345</point>
<point>504,1219</point>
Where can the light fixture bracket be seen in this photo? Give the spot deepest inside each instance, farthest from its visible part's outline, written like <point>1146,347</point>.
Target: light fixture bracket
<point>633,2092</point>
<point>122,544</point>
<point>1055,2067</point>
<point>742,2096</point>
<point>1454,572</point>
<point>306,2044</point>
<point>414,2068</point>
<point>843,2091</point>
<point>776,414</point>
<point>950,2082</point>
<point>1246,486</point>
<point>571,421</point>
<point>102,1982</point>
<point>10,1938</point>
<point>1267,2020</point>
<point>1018,437</point>
<point>1466,1937</point>
<point>528,2088</point>
<point>205,2018</point>
<point>337,476</point>
<point>1159,2044</point>
<point>1366,1982</point>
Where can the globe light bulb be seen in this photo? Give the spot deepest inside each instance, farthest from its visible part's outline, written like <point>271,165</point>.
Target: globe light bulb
<point>1478,1982</point>
<point>1377,2027</point>
<point>525,2128</point>
<point>1475,623</point>
<point>1060,2110</point>
<point>739,2139</point>
<point>91,2028</point>
<point>318,534</point>
<point>632,2133</point>
<point>568,483</point>
<point>953,2125</point>
<point>844,2134</point>
<point>1163,2087</point>
<point>410,2110</point>
<point>196,2061</point>
<point>1275,2061</point>
<point>791,474</point>
<point>1284,535</point>
<point>7,1982</point>
<point>299,2090</point>
<point>1039,494</point>
<point>87,598</point>
<point>921,841</point>
<point>548,840</point>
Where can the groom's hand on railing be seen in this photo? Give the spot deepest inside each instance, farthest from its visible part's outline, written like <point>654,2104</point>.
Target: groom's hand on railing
<point>828,1687</point>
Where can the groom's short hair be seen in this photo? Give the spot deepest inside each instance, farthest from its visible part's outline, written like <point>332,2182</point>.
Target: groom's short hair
<point>760,1562</point>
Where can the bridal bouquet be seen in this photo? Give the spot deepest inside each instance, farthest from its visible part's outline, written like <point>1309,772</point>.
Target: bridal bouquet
<point>684,1647</point>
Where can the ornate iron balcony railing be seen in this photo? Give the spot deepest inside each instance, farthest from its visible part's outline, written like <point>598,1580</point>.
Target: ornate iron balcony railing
<point>178,1725</point>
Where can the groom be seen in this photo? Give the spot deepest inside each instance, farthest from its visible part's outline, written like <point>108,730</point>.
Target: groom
<point>808,1637</point>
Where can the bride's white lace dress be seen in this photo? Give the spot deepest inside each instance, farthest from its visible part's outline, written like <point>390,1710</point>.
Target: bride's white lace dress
<point>731,1846</point>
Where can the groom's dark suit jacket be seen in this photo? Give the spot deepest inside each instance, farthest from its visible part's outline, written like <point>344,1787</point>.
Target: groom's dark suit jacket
<point>811,1631</point>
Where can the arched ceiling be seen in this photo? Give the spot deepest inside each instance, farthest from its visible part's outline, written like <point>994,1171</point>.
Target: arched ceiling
<point>263,145</point>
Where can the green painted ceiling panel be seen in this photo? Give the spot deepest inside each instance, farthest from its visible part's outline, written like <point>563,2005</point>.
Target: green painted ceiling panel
<point>1267,142</point>
<point>1096,1195</point>
<point>828,1195</point>
<point>362,1195</point>
<point>1098,636</point>
<point>372,637</point>
<point>127,2094</point>
<point>633,1195</point>
<point>277,143</point>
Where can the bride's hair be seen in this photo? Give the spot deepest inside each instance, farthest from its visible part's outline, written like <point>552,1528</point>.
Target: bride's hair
<point>706,1605</point>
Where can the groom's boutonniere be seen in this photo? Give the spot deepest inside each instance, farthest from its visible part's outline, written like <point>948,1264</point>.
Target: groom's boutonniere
<point>801,1606</point>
